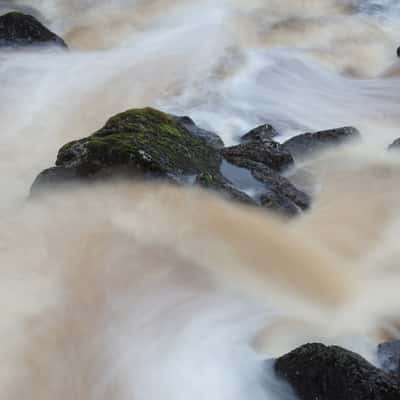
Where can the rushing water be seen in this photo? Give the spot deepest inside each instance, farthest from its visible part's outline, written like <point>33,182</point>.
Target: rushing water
<point>139,292</point>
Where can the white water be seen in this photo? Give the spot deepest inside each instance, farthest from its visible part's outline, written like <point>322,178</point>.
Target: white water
<point>140,292</point>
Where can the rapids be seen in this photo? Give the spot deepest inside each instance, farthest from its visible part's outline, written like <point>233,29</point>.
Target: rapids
<point>130,291</point>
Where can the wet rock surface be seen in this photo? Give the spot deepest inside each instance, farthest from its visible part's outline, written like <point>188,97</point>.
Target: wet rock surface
<point>389,356</point>
<point>316,371</point>
<point>395,145</point>
<point>262,133</point>
<point>225,187</point>
<point>22,30</point>
<point>265,161</point>
<point>149,144</point>
<point>211,138</point>
<point>307,144</point>
<point>269,153</point>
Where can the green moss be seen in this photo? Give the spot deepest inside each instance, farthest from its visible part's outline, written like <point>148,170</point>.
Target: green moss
<point>147,137</point>
<point>206,179</point>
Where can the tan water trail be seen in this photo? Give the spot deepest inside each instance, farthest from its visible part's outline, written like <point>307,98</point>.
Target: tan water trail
<point>108,289</point>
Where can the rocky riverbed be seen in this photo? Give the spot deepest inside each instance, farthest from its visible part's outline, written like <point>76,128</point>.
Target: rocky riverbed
<point>151,145</point>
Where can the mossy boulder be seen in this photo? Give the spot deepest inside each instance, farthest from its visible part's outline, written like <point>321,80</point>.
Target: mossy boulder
<point>21,30</point>
<point>138,142</point>
<point>316,371</point>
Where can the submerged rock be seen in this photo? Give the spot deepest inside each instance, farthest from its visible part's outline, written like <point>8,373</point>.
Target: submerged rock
<point>139,142</point>
<point>389,356</point>
<point>263,133</point>
<point>316,371</point>
<point>281,194</point>
<point>225,187</point>
<point>309,143</point>
<point>20,30</point>
<point>211,138</point>
<point>264,160</point>
<point>395,145</point>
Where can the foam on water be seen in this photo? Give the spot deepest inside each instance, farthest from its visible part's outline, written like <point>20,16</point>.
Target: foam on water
<point>131,291</point>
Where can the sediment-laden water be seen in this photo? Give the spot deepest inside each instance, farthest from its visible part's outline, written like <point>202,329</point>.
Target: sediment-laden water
<point>131,291</point>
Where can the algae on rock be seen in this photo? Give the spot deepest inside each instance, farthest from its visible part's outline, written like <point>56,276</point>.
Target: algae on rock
<point>142,141</point>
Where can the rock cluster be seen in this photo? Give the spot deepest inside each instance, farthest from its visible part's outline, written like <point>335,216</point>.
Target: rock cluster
<point>150,144</point>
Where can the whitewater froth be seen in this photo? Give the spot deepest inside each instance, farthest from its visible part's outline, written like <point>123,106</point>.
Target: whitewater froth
<point>128,285</point>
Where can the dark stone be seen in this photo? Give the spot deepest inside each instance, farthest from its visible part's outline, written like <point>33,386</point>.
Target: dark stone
<point>389,356</point>
<point>20,30</point>
<point>280,194</point>
<point>223,186</point>
<point>275,201</point>
<point>279,187</point>
<point>309,143</point>
<point>270,154</point>
<point>209,137</point>
<point>54,176</point>
<point>264,159</point>
<point>316,371</point>
<point>395,145</point>
<point>263,133</point>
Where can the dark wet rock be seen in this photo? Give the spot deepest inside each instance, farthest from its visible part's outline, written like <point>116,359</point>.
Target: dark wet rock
<point>226,188</point>
<point>279,186</point>
<point>267,191</point>
<point>147,144</point>
<point>389,356</point>
<point>139,142</point>
<point>278,202</point>
<point>270,154</point>
<point>279,193</point>
<point>309,143</point>
<point>316,371</point>
<point>20,30</point>
<point>264,160</point>
<point>270,193</point>
<point>395,145</point>
<point>263,133</point>
<point>54,176</point>
<point>211,138</point>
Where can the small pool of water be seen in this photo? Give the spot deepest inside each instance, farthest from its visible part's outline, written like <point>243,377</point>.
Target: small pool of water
<point>243,179</point>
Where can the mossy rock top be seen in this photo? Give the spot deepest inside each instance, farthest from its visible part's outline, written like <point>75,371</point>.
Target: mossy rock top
<point>145,138</point>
